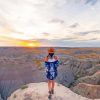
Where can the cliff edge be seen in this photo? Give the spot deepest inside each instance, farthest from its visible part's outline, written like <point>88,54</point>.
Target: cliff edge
<point>39,91</point>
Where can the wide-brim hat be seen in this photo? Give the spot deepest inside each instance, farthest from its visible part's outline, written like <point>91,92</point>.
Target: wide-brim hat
<point>51,50</point>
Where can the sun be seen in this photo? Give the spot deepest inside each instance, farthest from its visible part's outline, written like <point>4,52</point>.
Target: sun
<point>28,43</point>
<point>31,45</point>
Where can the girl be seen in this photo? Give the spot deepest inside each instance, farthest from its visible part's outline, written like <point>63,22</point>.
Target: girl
<point>51,64</point>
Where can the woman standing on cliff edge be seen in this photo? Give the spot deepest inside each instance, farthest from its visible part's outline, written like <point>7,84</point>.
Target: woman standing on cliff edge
<point>51,65</point>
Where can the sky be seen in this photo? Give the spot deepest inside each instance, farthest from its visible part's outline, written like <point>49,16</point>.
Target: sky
<point>63,23</point>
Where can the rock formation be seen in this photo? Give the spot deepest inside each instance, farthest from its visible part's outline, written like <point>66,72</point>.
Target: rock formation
<point>39,91</point>
<point>87,90</point>
<point>17,68</point>
<point>93,79</point>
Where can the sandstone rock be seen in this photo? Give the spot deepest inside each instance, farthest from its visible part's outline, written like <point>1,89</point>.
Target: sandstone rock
<point>93,79</point>
<point>17,68</point>
<point>93,70</point>
<point>0,97</point>
<point>87,90</point>
<point>39,91</point>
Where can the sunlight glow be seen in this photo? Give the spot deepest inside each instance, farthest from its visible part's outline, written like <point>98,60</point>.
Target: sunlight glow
<point>30,23</point>
<point>31,44</point>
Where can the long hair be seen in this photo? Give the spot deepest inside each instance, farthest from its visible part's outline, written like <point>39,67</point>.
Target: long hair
<point>50,55</point>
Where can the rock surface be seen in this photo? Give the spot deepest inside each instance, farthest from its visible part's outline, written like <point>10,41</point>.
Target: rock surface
<point>20,74</point>
<point>87,90</point>
<point>0,97</point>
<point>93,79</point>
<point>39,91</point>
<point>18,66</point>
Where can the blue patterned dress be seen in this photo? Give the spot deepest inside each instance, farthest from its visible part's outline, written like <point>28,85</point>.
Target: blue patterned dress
<point>51,69</point>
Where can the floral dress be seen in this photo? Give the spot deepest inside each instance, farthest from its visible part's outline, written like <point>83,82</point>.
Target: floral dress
<point>51,66</point>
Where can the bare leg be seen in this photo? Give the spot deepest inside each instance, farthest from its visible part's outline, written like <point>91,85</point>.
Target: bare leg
<point>49,85</point>
<point>53,84</point>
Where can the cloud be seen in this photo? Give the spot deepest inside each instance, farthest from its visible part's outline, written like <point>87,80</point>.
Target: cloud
<point>8,41</point>
<point>92,35</point>
<point>49,20</point>
<point>45,34</point>
<point>92,2</point>
<point>74,25</point>
<point>56,20</point>
<point>88,32</point>
<point>69,43</point>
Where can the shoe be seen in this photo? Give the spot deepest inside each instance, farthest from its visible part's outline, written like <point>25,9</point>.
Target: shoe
<point>50,96</point>
<point>49,92</point>
<point>52,91</point>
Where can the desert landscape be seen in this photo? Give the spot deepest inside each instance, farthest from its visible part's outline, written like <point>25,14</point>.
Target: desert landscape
<point>28,28</point>
<point>79,69</point>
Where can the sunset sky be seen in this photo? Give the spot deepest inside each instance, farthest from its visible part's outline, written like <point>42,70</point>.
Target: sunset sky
<point>65,23</point>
